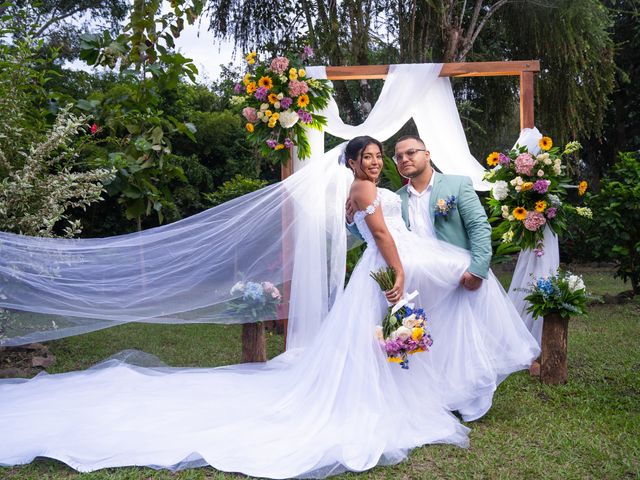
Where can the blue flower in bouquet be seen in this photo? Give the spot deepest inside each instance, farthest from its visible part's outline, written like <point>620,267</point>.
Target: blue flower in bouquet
<point>444,206</point>
<point>253,291</point>
<point>545,286</point>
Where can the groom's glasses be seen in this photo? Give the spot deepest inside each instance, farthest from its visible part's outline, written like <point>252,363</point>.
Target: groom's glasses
<point>409,153</point>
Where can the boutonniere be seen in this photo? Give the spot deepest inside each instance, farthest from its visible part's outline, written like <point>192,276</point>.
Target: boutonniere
<point>444,206</point>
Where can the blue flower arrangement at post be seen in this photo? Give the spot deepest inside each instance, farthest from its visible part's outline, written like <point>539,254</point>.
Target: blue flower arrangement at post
<point>562,293</point>
<point>529,192</point>
<point>255,300</point>
<point>280,102</point>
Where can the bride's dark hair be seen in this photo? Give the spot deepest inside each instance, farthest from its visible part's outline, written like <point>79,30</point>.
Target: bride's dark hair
<point>354,149</point>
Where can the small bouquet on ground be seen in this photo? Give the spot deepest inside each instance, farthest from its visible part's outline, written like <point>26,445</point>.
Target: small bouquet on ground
<point>562,293</point>
<point>280,102</point>
<point>528,192</point>
<point>258,301</point>
<point>404,329</point>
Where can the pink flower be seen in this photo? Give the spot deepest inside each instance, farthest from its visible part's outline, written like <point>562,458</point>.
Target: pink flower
<point>534,221</point>
<point>297,88</point>
<point>504,160</point>
<point>307,52</point>
<point>271,143</point>
<point>525,163</point>
<point>94,129</point>
<point>250,114</point>
<point>279,65</point>
<point>288,143</point>
<point>541,186</point>
<point>551,212</point>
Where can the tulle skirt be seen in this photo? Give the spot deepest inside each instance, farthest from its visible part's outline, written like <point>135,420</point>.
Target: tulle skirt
<point>333,406</point>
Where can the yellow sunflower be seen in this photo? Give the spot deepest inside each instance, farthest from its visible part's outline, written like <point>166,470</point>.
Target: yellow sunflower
<point>520,213</point>
<point>265,82</point>
<point>303,100</point>
<point>541,206</point>
<point>273,98</point>
<point>249,127</point>
<point>251,87</point>
<point>582,187</point>
<point>545,143</point>
<point>492,159</point>
<point>526,186</point>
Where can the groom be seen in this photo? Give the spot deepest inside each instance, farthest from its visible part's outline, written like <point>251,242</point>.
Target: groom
<point>440,206</point>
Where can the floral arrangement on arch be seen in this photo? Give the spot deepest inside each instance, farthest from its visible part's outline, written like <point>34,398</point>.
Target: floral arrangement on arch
<point>562,293</point>
<point>280,102</point>
<point>528,193</point>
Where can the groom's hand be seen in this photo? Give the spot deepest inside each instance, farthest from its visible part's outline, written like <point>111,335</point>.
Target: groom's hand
<point>350,210</point>
<point>470,281</point>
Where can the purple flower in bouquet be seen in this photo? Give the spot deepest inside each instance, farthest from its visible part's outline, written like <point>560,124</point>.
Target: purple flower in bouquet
<point>287,143</point>
<point>305,117</point>
<point>551,212</point>
<point>307,52</point>
<point>503,160</point>
<point>261,94</point>
<point>250,114</point>
<point>279,65</point>
<point>538,251</point>
<point>271,143</point>
<point>297,88</point>
<point>237,89</point>
<point>525,163</point>
<point>534,221</point>
<point>285,103</point>
<point>541,186</point>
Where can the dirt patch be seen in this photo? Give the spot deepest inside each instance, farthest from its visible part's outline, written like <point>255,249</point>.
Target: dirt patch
<point>24,361</point>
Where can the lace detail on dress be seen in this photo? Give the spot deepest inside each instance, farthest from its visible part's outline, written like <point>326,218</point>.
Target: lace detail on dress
<point>391,211</point>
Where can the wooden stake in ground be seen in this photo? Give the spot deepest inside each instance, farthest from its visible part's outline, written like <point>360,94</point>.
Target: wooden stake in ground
<point>553,362</point>
<point>254,348</point>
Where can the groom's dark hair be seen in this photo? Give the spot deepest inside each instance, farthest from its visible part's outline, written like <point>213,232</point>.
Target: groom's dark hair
<point>411,137</point>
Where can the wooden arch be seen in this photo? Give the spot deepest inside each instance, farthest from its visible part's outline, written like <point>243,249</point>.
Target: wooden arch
<point>254,343</point>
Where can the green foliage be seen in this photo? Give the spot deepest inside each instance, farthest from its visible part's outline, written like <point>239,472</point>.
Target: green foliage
<point>616,209</point>
<point>236,187</point>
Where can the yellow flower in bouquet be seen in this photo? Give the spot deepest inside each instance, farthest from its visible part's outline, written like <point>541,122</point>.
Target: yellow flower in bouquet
<point>582,187</point>
<point>545,143</point>
<point>266,82</point>
<point>249,127</point>
<point>526,186</point>
<point>541,206</point>
<point>520,213</point>
<point>247,79</point>
<point>303,100</point>
<point>273,98</point>
<point>417,333</point>
<point>251,58</point>
<point>251,87</point>
<point>492,159</point>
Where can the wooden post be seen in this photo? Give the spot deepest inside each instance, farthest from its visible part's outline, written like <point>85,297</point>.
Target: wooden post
<point>553,363</point>
<point>254,347</point>
<point>286,170</point>
<point>526,100</point>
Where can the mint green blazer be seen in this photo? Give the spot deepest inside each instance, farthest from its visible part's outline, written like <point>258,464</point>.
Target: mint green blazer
<point>466,226</point>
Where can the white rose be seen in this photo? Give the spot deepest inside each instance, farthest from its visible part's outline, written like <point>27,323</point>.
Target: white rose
<point>518,188</point>
<point>541,173</point>
<point>276,105</point>
<point>403,333</point>
<point>557,169</point>
<point>288,119</point>
<point>237,288</point>
<point>575,283</point>
<point>500,190</point>
<point>280,96</point>
<point>505,211</point>
<point>547,161</point>
<point>511,218</point>
<point>264,106</point>
<point>411,321</point>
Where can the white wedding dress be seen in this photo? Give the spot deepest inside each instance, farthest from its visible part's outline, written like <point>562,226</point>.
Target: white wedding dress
<point>335,405</point>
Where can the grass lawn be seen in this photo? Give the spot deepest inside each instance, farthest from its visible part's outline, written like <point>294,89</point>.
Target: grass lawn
<point>588,428</point>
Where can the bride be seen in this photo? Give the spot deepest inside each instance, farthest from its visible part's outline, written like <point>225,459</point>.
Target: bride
<point>332,406</point>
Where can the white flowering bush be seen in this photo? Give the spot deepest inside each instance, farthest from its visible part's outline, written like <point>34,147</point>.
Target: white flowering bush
<point>38,193</point>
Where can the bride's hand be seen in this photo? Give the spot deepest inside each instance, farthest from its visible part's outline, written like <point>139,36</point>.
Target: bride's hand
<point>395,294</point>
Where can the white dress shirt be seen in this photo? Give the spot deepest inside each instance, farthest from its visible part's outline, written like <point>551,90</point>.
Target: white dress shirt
<point>419,211</point>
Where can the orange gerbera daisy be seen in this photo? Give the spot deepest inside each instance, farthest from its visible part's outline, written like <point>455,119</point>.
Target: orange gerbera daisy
<point>520,213</point>
<point>249,127</point>
<point>273,98</point>
<point>251,87</point>
<point>265,82</point>
<point>545,143</point>
<point>582,187</point>
<point>492,159</point>
<point>303,100</point>
<point>541,205</point>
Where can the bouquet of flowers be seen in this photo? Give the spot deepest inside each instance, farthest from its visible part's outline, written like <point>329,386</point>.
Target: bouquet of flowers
<point>258,301</point>
<point>404,329</point>
<point>563,293</point>
<point>280,102</point>
<point>528,192</point>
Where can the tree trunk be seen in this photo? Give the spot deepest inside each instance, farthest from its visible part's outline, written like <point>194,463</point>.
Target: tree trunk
<point>553,363</point>
<point>254,348</point>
